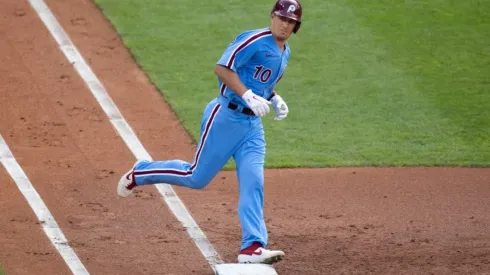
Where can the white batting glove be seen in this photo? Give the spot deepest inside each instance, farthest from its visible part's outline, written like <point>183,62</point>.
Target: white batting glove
<point>280,107</point>
<point>259,105</point>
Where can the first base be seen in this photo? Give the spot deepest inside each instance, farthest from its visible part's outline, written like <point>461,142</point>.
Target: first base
<point>245,269</point>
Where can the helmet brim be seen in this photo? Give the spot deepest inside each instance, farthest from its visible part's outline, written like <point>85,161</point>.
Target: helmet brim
<point>287,15</point>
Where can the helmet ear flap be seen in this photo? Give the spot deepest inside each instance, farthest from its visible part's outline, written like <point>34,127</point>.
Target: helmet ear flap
<point>296,27</point>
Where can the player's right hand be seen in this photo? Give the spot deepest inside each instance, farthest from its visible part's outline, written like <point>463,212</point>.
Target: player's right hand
<point>259,105</point>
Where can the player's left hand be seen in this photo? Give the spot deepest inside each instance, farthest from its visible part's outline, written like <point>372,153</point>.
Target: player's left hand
<point>280,107</point>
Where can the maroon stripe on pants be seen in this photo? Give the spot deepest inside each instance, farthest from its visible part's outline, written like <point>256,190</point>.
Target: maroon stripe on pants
<point>162,171</point>
<point>205,135</point>
<point>198,154</point>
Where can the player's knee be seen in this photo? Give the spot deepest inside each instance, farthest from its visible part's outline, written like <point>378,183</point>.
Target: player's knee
<point>258,185</point>
<point>199,183</point>
<point>253,182</point>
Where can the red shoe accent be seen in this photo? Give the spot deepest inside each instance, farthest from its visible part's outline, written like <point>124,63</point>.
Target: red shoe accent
<point>251,249</point>
<point>133,181</point>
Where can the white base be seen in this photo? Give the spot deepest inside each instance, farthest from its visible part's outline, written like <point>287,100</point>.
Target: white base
<point>245,269</point>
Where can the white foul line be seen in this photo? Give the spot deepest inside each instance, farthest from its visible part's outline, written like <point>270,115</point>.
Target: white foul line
<point>124,130</point>
<point>45,218</point>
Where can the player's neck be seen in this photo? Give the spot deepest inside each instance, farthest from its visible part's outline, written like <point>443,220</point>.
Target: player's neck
<point>280,43</point>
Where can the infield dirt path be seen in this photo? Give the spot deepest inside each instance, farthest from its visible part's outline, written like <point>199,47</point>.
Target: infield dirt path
<point>328,221</point>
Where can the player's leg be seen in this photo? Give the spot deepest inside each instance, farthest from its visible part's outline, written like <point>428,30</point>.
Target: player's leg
<point>250,172</point>
<point>213,151</point>
<point>215,147</point>
<point>249,159</point>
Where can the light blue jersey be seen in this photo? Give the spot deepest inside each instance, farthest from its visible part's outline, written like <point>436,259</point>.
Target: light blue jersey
<point>258,61</point>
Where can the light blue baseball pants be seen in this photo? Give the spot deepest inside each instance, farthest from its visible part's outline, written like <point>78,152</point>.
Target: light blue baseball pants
<point>225,133</point>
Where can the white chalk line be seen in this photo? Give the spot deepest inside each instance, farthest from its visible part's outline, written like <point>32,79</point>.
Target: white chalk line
<point>122,127</point>
<point>45,218</point>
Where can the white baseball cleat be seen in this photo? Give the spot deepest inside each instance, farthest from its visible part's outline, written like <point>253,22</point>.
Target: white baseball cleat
<point>261,256</point>
<point>126,183</point>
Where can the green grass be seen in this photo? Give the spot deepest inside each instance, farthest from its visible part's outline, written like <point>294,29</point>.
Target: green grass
<point>377,83</point>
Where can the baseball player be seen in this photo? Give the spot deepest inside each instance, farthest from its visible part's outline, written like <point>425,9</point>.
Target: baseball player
<point>231,126</point>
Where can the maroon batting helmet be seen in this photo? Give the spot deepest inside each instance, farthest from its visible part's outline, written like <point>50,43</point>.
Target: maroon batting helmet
<point>290,9</point>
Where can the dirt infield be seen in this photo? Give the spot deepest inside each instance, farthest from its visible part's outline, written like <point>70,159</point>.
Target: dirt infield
<point>328,221</point>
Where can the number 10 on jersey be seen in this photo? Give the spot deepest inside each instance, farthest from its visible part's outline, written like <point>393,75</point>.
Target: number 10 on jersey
<point>262,74</point>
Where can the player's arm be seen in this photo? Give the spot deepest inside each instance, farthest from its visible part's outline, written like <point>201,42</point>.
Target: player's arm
<point>236,55</point>
<point>231,79</point>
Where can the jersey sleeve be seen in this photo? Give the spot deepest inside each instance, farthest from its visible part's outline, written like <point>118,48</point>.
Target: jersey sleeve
<point>241,50</point>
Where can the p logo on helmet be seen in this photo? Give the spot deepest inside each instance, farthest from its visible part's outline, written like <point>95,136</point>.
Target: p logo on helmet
<point>290,9</point>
